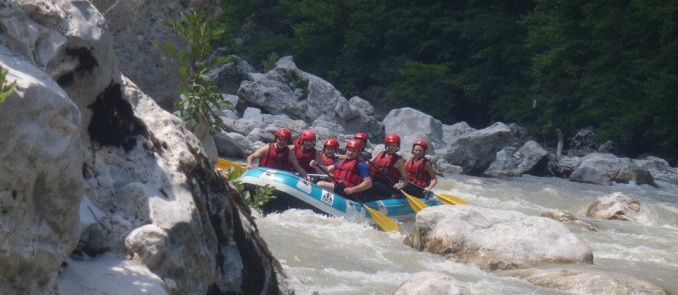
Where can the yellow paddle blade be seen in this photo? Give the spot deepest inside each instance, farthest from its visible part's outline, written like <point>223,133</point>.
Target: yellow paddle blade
<point>382,220</point>
<point>451,200</point>
<point>416,204</point>
<point>225,164</point>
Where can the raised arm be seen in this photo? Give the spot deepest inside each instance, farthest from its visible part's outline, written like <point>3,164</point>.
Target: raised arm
<point>256,155</point>
<point>317,165</point>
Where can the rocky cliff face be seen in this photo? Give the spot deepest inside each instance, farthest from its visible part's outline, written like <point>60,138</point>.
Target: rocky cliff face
<point>136,28</point>
<point>77,129</point>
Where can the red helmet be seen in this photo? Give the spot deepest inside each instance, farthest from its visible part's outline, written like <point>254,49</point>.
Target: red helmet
<point>360,135</point>
<point>283,133</point>
<point>422,143</point>
<point>354,144</point>
<point>392,138</point>
<point>331,142</point>
<point>307,135</point>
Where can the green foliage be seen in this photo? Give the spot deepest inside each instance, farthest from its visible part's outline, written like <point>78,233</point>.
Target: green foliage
<point>270,61</point>
<point>199,97</point>
<point>609,65</point>
<point>544,64</point>
<point>422,85</point>
<point>296,81</point>
<point>6,88</point>
<point>94,237</point>
<point>262,194</point>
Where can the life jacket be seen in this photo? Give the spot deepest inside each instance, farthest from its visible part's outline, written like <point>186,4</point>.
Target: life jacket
<point>386,164</point>
<point>277,159</point>
<point>304,157</point>
<point>327,161</point>
<point>346,173</point>
<point>416,172</point>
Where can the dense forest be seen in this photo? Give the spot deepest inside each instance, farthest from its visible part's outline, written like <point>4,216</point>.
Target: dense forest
<point>544,64</point>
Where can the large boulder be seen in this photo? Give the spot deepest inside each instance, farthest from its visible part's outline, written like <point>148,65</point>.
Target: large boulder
<point>615,206</point>
<point>452,132</point>
<point>603,168</point>
<point>412,125</point>
<point>137,27</point>
<point>504,162</point>
<point>475,151</point>
<point>575,281</point>
<point>75,126</point>
<point>658,168</point>
<point>41,181</point>
<point>495,239</point>
<point>303,96</point>
<point>228,147</point>
<point>531,158</point>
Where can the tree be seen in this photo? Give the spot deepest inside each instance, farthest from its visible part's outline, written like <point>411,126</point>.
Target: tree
<point>610,65</point>
<point>198,95</point>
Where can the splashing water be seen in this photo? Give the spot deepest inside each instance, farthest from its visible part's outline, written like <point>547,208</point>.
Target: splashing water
<point>333,256</point>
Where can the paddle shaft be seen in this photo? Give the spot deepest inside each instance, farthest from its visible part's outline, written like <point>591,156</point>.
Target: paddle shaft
<point>382,172</point>
<point>447,199</point>
<point>416,204</point>
<point>421,187</point>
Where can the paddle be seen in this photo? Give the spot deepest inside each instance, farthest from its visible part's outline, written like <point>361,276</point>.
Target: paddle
<point>448,199</point>
<point>225,164</point>
<point>416,204</point>
<point>379,218</point>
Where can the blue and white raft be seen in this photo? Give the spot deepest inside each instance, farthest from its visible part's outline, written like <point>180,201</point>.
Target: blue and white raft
<point>292,191</point>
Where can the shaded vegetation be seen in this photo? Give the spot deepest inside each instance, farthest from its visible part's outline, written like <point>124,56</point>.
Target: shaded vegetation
<point>544,64</point>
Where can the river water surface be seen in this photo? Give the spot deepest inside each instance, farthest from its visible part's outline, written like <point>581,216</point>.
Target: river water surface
<point>334,256</point>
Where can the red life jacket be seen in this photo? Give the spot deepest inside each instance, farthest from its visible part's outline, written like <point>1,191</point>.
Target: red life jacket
<point>346,173</point>
<point>277,159</point>
<point>327,161</point>
<point>386,164</point>
<point>304,157</point>
<point>416,172</point>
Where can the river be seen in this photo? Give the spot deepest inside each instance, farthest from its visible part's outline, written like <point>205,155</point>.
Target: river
<point>333,256</point>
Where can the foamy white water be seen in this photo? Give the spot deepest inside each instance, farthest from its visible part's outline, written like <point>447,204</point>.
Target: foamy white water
<point>333,256</point>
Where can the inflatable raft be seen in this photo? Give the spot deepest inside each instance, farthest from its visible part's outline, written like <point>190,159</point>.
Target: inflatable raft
<point>292,191</point>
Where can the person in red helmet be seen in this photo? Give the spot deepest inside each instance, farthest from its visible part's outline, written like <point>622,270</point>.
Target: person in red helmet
<point>277,155</point>
<point>304,149</point>
<point>388,169</point>
<point>364,155</point>
<point>350,176</point>
<point>328,156</point>
<point>420,171</point>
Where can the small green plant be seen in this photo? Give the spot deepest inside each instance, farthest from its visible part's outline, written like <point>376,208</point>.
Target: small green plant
<point>262,194</point>
<point>269,62</point>
<point>199,97</point>
<point>297,81</point>
<point>6,88</point>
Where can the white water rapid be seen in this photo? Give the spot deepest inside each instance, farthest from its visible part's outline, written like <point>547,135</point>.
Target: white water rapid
<point>333,256</point>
